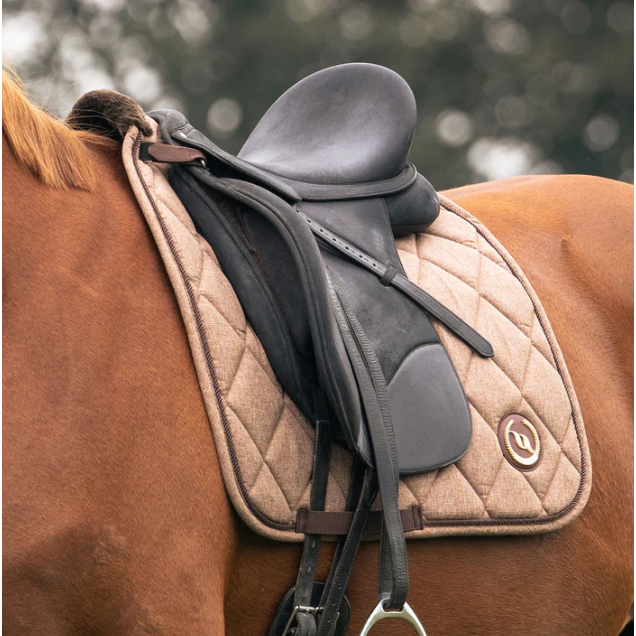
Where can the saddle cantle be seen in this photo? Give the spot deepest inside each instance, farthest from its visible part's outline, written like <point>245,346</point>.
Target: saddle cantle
<point>303,223</point>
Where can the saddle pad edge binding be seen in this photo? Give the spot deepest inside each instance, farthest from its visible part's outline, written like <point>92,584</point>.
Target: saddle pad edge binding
<point>214,399</point>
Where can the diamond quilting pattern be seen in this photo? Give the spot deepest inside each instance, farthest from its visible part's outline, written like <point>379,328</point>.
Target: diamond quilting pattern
<point>265,444</point>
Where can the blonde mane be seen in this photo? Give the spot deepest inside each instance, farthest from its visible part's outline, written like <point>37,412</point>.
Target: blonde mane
<point>55,153</point>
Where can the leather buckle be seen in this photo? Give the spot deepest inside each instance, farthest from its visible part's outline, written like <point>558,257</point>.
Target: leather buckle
<point>297,609</point>
<point>379,614</point>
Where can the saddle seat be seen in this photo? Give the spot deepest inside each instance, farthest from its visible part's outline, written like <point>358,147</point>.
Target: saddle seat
<point>341,133</point>
<point>351,124</point>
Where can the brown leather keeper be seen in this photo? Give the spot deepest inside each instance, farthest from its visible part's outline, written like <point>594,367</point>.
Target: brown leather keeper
<point>338,523</point>
<point>166,153</point>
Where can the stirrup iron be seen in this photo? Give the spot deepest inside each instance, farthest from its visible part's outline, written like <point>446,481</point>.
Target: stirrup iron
<point>380,614</point>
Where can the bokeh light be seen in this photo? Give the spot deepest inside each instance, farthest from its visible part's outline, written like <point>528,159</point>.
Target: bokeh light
<point>503,87</point>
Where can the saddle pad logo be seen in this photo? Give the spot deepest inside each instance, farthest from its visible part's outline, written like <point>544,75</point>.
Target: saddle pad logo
<point>520,442</point>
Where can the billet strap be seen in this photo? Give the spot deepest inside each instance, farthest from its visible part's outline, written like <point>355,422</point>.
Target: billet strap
<point>338,523</point>
<point>167,153</point>
<point>355,497</point>
<point>324,618</point>
<point>388,275</point>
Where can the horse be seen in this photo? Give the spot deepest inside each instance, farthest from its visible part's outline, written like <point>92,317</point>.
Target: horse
<point>116,518</point>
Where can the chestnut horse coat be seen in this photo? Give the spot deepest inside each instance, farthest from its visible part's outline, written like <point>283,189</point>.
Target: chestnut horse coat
<point>116,520</point>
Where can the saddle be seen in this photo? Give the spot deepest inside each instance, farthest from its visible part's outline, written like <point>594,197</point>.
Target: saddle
<point>303,222</point>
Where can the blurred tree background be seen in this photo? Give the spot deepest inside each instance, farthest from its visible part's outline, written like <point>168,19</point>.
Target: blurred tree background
<point>504,87</point>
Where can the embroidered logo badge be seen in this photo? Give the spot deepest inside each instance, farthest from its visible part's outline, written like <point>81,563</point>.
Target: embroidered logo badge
<point>520,442</point>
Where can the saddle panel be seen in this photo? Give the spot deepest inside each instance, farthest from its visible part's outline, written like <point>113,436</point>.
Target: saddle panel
<point>414,209</point>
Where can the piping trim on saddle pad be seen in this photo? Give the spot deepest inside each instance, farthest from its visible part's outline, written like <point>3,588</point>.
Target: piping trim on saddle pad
<point>265,444</point>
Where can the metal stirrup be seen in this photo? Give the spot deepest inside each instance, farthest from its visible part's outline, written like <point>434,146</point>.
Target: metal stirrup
<point>380,614</point>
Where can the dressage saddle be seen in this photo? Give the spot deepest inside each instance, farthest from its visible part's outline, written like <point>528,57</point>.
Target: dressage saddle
<point>303,222</point>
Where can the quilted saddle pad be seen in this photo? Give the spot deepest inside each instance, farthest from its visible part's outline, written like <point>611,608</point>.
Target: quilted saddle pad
<point>527,468</point>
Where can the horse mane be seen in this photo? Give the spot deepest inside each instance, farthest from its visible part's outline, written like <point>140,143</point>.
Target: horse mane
<point>55,153</point>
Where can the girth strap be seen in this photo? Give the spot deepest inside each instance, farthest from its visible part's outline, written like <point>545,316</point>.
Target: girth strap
<point>322,619</point>
<point>363,491</point>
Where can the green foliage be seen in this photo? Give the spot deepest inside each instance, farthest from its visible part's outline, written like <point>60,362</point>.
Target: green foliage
<point>503,87</point>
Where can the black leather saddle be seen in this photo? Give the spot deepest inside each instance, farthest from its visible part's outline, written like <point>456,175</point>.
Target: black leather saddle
<point>303,222</point>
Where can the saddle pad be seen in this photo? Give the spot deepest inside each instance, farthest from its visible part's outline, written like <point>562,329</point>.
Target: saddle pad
<point>265,444</point>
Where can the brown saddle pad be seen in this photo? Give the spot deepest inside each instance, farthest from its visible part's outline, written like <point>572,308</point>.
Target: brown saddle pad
<point>528,466</point>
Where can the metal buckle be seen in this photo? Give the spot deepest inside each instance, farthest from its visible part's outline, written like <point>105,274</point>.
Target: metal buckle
<point>295,611</point>
<point>379,614</point>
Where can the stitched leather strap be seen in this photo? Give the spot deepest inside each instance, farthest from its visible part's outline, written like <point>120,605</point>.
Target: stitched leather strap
<point>373,391</point>
<point>167,153</point>
<point>306,623</point>
<point>339,523</point>
<point>388,276</point>
<point>366,488</point>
